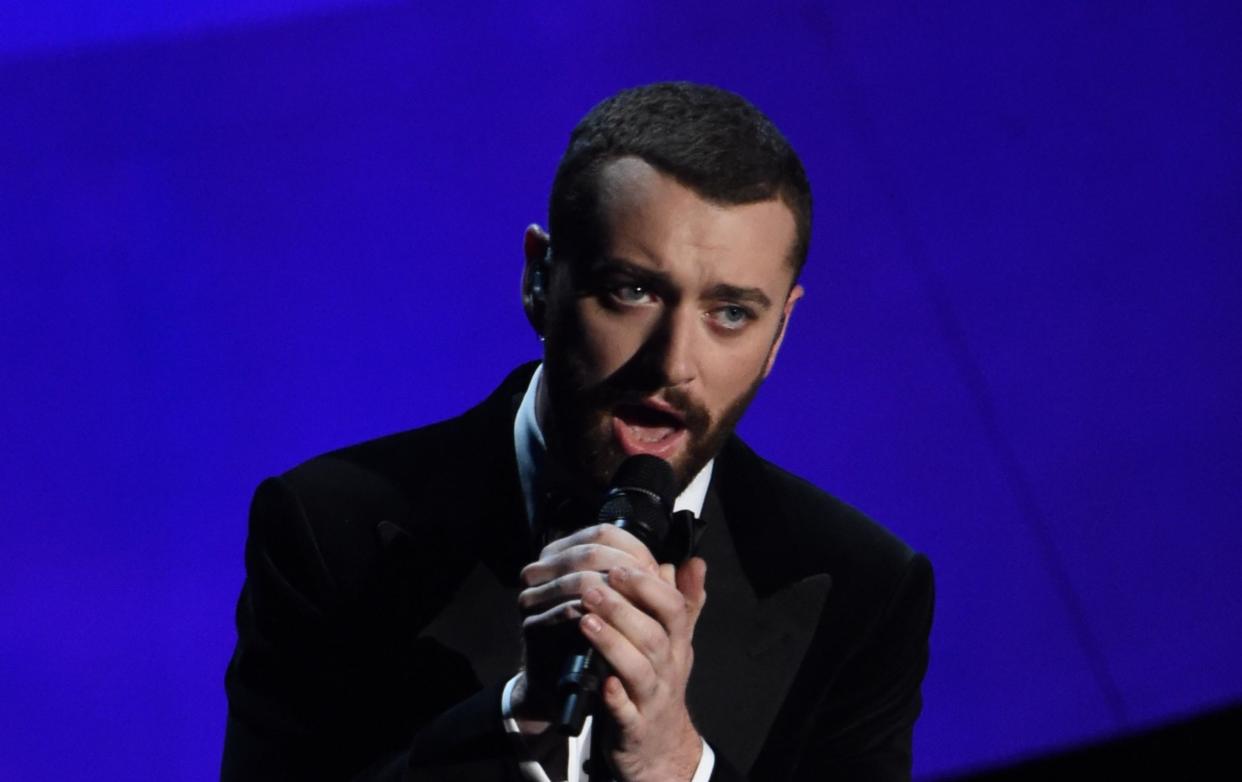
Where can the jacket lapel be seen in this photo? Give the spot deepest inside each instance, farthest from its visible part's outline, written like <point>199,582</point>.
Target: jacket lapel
<point>495,513</point>
<point>747,647</point>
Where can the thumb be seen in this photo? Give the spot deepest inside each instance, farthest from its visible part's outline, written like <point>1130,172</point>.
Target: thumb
<point>691,582</point>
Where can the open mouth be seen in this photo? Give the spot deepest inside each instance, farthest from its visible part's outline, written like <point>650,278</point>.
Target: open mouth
<point>644,428</point>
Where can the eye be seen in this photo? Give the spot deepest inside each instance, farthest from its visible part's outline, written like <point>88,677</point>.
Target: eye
<point>732,317</point>
<point>630,294</point>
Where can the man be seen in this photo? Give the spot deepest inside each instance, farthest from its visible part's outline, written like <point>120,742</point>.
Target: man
<point>407,599</point>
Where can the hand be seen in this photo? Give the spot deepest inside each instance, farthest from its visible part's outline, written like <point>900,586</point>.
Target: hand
<point>552,607</point>
<point>640,617</point>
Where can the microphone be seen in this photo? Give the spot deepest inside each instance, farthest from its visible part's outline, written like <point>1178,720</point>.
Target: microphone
<point>639,502</point>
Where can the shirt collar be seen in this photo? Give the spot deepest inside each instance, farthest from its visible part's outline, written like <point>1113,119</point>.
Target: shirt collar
<point>532,452</point>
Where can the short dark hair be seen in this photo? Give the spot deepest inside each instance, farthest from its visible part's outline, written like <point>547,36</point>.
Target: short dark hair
<point>709,139</point>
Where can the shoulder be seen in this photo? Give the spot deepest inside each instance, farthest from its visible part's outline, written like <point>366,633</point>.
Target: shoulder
<point>858,688</point>
<point>778,517</point>
<point>440,459</point>
<point>424,488</point>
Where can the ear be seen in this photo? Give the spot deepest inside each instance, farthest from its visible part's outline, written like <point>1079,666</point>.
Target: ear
<point>795,293</point>
<point>536,246</point>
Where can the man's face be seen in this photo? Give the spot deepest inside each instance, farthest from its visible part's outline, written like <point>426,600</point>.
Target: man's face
<point>658,344</point>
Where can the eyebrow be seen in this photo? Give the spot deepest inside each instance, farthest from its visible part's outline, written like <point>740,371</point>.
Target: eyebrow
<point>726,292</point>
<point>620,265</point>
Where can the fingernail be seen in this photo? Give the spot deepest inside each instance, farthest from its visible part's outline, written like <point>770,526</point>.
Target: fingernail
<point>593,597</point>
<point>619,574</point>
<point>591,623</point>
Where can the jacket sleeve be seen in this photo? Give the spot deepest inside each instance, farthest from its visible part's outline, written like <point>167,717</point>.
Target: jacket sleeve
<point>325,687</point>
<point>862,725</point>
<point>866,720</point>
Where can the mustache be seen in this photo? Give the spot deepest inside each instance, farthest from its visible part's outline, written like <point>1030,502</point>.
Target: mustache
<point>632,384</point>
<point>696,418</point>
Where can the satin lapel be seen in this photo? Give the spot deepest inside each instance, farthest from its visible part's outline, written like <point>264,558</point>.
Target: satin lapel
<point>482,624</point>
<point>481,621</point>
<point>747,648</point>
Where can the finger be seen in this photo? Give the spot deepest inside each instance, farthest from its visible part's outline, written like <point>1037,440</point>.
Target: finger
<point>630,665</point>
<point>645,608</point>
<point>692,583</point>
<point>558,614</point>
<point>623,710</point>
<point>582,557</point>
<point>603,535</point>
<point>668,572</point>
<point>567,587</point>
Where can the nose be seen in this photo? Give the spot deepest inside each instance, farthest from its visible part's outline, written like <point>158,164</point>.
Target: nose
<point>675,345</point>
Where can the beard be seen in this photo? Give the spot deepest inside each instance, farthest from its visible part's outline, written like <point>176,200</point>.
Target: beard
<point>580,432</point>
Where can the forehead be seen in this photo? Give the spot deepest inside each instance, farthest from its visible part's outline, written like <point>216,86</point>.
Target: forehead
<point>650,218</point>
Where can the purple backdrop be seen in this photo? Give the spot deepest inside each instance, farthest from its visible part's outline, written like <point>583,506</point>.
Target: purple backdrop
<point>233,238</point>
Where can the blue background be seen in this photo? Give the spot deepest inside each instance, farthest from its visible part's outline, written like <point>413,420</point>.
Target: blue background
<point>235,235</point>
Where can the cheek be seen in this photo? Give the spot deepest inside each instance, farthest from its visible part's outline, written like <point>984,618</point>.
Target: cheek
<point>608,341</point>
<point>732,371</point>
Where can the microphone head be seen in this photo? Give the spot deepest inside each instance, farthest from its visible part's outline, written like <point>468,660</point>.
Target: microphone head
<point>640,500</point>
<point>648,473</point>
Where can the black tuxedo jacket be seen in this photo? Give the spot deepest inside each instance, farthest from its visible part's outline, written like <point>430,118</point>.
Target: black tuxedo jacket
<point>378,621</point>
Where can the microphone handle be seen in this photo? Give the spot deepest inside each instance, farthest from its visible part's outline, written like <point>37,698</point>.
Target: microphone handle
<point>585,670</point>
<point>580,681</point>
<point>638,506</point>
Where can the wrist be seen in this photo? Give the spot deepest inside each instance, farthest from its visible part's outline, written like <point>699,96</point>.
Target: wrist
<point>692,755</point>
<point>528,708</point>
<point>680,762</point>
